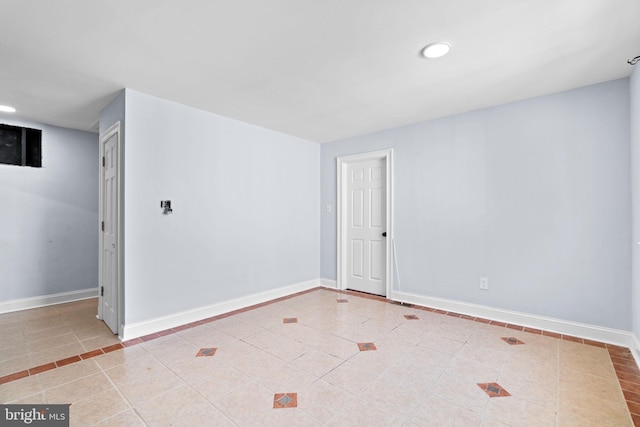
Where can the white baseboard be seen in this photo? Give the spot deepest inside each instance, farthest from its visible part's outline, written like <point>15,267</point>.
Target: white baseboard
<point>635,348</point>
<point>591,332</point>
<point>151,326</point>
<point>328,283</point>
<point>44,300</point>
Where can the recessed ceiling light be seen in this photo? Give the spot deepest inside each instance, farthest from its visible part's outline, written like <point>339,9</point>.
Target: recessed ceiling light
<point>435,50</point>
<point>7,109</point>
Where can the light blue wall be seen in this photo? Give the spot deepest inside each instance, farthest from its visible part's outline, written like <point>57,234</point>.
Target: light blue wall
<point>534,195</point>
<point>246,208</point>
<point>635,179</point>
<point>49,217</point>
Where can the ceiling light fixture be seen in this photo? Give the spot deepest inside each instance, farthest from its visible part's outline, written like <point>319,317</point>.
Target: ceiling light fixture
<point>7,109</point>
<point>435,50</point>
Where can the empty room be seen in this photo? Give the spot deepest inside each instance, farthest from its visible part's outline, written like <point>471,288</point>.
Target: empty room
<point>407,213</point>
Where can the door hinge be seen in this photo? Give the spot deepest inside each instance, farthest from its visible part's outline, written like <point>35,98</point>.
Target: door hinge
<point>103,161</point>
<point>101,291</point>
<point>102,226</point>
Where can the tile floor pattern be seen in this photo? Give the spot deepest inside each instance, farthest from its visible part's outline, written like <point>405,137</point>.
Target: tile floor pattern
<point>38,337</point>
<point>494,390</point>
<point>285,400</point>
<point>512,340</point>
<point>438,368</point>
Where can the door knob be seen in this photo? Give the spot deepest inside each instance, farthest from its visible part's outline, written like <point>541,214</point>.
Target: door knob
<point>384,234</point>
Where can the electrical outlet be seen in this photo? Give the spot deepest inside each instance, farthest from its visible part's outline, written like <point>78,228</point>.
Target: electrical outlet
<point>484,283</point>
<point>329,208</point>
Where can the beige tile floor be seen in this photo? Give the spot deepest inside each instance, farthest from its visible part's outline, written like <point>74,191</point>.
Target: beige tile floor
<point>423,371</point>
<point>33,337</point>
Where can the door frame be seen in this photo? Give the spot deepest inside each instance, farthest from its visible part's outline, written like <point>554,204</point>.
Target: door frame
<point>342,253</point>
<point>113,130</point>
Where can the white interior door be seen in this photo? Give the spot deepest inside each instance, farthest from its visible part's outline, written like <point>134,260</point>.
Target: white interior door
<point>109,264</point>
<point>366,226</point>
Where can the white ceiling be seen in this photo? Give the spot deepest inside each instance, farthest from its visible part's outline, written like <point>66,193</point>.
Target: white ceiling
<point>318,69</point>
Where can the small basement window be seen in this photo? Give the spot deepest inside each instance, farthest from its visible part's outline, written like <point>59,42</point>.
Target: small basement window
<point>20,146</point>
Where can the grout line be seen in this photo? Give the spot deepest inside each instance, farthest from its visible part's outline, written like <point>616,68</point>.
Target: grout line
<point>634,406</point>
<point>122,396</point>
<point>628,376</point>
<point>73,359</point>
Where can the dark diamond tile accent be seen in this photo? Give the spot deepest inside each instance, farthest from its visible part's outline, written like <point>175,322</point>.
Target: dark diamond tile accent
<point>285,400</point>
<point>512,340</point>
<point>342,300</point>
<point>290,320</point>
<point>206,352</point>
<point>411,317</point>
<point>366,346</point>
<point>493,389</point>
